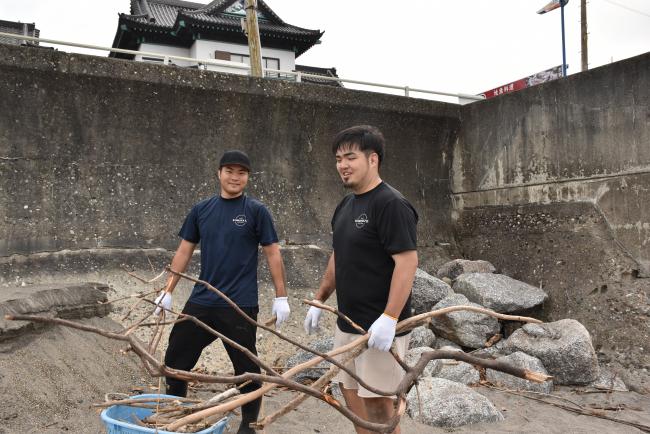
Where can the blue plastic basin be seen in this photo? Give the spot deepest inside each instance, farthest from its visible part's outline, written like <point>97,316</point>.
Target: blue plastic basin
<point>119,418</point>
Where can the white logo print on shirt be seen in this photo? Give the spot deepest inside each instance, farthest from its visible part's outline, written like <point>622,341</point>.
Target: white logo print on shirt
<point>361,221</point>
<point>240,220</point>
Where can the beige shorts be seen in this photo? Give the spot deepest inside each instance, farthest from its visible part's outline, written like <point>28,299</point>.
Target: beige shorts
<point>377,368</point>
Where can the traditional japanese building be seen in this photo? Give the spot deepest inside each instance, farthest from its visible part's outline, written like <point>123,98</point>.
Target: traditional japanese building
<point>212,31</point>
<point>18,28</point>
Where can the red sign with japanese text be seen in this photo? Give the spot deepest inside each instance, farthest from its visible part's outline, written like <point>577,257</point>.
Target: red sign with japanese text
<point>532,80</point>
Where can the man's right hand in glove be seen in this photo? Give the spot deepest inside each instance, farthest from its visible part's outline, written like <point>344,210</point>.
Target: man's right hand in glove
<point>311,320</point>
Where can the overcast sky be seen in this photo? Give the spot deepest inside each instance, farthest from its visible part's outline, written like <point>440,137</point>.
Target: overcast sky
<point>466,46</point>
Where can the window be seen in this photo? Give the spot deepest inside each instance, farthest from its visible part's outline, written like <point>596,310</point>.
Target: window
<point>221,55</point>
<point>267,63</point>
<point>152,59</point>
<point>241,58</point>
<point>271,63</point>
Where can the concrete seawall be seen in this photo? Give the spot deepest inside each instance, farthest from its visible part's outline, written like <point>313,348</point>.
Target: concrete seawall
<point>104,153</point>
<point>552,185</point>
<point>583,139</point>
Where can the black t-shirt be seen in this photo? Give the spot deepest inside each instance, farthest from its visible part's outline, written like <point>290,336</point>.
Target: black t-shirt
<point>368,228</point>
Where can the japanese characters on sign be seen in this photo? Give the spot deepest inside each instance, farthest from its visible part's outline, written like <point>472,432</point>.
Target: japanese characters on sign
<point>532,80</point>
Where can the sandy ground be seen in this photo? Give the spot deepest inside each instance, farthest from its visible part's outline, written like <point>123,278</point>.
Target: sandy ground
<point>49,380</point>
<point>522,416</point>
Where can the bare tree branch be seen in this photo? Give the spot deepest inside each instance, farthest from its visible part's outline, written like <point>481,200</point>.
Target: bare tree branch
<point>356,326</point>
<point>281,336</point>
<point>175,417</point>
<point>578,409</point>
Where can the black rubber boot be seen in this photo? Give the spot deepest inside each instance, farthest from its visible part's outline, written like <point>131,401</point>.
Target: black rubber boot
<point>249,414</point>
<point>176,387</point>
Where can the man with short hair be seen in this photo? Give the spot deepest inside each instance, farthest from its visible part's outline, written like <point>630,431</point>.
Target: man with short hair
<point>371,269</point>
<point>230,226</point>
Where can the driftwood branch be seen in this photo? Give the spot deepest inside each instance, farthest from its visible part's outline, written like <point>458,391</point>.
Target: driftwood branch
<point>281,336</point>
<point>127,297</point>
<point>318,384</point>
<point>143,280</point>
<point>143,400</point>
<point>272,381</point>
<point>225,339</point>
<point>575,408</point>
<point>354,325</point>
<point>178,416</point>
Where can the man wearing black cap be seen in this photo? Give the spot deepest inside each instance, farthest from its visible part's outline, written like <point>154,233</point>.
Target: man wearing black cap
<point>230,226</point>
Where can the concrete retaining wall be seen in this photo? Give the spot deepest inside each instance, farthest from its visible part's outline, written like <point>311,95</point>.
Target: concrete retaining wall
<point>552,185</point>
<point>100,153</point>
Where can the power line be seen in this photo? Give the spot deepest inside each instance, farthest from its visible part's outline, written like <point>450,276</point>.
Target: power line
<point>628,8</point>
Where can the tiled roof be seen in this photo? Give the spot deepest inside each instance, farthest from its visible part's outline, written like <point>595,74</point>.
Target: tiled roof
<point>315,70</point>
<point>264,26</point>
<point>167,14</point>
<point>137,6</point>
<point>214,6</point>
<point>18,29</point>
<point>162,14</point>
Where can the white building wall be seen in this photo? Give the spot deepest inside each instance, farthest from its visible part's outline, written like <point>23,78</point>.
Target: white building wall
<point>164,49</point>
<point>204,49</point>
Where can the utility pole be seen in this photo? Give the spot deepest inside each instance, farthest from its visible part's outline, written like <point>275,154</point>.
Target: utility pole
<point>552,5</point>
<point>253,33</point>
<point>584,50</point>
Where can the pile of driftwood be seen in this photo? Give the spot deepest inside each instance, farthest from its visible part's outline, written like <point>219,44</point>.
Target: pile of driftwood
<point>187,415</point>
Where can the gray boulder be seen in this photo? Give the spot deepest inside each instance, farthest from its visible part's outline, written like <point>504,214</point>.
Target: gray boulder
<point>498,292</point>
<point>520,360</point>
<point>454,370</point>
<point>427,291</point>
<point>441,343</point>
<point>564,348</point>
<point>448,404</point>
<point>457,267</point>
<point>323,345</point>
<point>413,356</point>
<point>608,380</point>
<point>466,328</point>
<point>422,337</point>
<point>449,369</point>
<point>493,352</point>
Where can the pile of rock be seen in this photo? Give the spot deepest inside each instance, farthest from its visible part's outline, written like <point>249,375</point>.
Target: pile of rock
<point>562,349</point>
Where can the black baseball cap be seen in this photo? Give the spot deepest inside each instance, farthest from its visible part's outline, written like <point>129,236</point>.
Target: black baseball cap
<point>235,157</point>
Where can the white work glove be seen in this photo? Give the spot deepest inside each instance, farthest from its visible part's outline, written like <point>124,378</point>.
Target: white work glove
<point>163,301</point>
<point>382,332</point>
<point>280,310</point>
<point>311,320</point>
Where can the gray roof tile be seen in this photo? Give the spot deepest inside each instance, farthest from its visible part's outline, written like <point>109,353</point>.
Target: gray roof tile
<point>165,13</point>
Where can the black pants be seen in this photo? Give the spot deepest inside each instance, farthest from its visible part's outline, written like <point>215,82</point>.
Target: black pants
<point>187,340</point>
